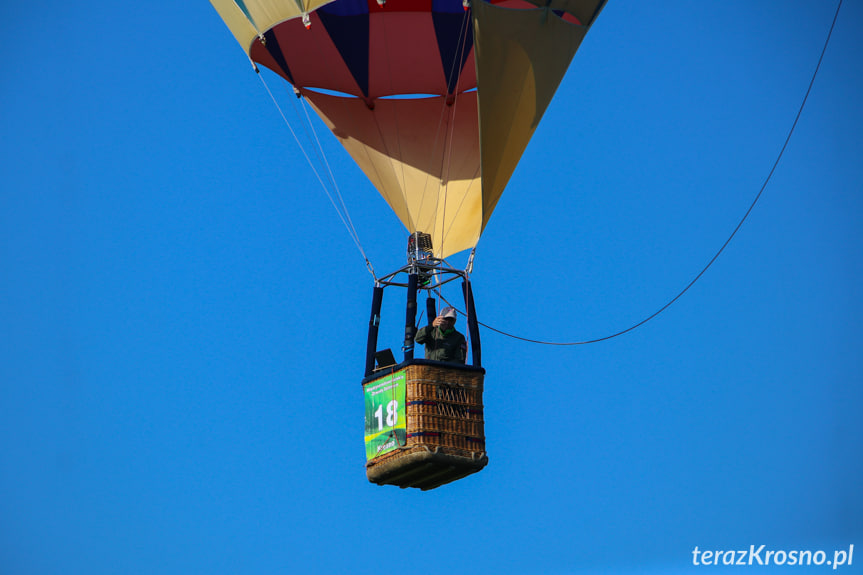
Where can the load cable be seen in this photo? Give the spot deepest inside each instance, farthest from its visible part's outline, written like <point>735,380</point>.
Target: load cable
<point>343,214</point>
<point>721,249</point>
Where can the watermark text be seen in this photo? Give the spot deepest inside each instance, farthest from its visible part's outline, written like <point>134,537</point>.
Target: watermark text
<point>760,555</point>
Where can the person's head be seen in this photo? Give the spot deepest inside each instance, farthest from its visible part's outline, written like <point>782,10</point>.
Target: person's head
<point>448,315</point>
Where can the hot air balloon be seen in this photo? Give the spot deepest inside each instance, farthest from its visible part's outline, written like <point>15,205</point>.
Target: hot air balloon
<point>435,100</point>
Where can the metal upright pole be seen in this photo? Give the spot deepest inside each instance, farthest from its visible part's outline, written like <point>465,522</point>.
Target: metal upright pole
<point>473,326</point>
<point>374,322</point>
<point>431,311</point>
<point>410,317</point>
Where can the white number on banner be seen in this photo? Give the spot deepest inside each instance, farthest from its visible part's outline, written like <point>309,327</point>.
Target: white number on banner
<point>379,415</point>
<point>392,414</point>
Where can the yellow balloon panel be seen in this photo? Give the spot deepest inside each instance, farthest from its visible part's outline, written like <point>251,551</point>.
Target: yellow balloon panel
<point>421,154</point>
<point>521,57</point>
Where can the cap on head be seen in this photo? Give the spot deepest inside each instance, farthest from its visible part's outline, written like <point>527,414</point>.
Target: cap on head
<point>448,312</point>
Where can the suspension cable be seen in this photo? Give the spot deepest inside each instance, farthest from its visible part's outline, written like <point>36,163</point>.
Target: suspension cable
<point>343,214</point>
<point>721,249</point>
<point>449,135</point>
<point>344,209</point>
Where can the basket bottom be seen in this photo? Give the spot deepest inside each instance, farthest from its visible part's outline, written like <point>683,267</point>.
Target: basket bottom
<point>425,469</point>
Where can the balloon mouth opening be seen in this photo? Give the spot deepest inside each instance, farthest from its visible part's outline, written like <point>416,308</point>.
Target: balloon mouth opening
<point>411,96</point>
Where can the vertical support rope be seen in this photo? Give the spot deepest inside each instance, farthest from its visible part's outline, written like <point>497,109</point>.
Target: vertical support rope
<point>411,222</point>
<point>448,139</point>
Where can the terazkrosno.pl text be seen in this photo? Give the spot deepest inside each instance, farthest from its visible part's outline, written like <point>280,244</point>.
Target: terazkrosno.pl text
<point>762,556</point>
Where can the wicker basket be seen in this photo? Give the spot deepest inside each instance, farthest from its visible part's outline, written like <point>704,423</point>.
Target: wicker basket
<point>445,432</point>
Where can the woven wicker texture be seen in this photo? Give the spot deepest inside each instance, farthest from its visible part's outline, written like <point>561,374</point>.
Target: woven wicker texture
<point>445,422</point>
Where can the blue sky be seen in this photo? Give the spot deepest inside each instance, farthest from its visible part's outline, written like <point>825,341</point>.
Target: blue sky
<point>183,315</point>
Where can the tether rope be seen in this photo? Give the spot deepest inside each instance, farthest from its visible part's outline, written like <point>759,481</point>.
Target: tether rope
<point>714,258</point>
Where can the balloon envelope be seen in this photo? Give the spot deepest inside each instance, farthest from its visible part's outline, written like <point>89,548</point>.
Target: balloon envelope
<point>434,102</point>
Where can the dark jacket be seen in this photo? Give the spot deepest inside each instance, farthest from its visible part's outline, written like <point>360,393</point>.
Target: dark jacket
<point>450,346</point>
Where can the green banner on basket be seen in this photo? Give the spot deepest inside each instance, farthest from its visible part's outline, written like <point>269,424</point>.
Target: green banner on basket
<point>385,414</point>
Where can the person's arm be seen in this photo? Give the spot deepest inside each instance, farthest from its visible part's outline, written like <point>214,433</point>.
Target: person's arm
<point>422,334</point>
